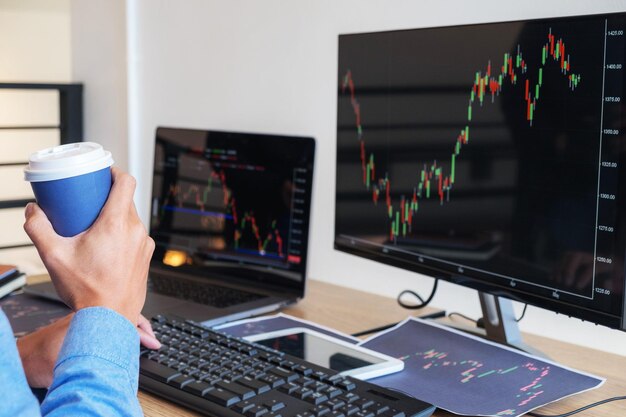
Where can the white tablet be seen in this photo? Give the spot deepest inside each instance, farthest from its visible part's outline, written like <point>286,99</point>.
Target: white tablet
<point>329,352</point>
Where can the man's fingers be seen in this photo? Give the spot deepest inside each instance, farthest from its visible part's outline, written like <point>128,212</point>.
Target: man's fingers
<point>146,334</point>
<point>145,325</point>
<point>148,340</point>
<point>40,230</point>
<point>121,194</point>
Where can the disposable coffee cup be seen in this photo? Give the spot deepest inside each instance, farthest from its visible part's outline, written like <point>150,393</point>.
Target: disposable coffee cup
<point>71,184</point>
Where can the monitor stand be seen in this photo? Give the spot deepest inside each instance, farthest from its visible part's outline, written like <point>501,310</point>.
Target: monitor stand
<point>500,324</point>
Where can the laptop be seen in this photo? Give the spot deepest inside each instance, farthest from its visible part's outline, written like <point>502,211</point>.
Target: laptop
<point>230,218</point>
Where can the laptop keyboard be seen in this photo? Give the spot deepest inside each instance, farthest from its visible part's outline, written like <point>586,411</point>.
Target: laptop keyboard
<point>225,376</point>
<point>207,294</point>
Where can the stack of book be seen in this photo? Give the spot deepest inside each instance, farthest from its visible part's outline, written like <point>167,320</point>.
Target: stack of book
<point>11,279</point>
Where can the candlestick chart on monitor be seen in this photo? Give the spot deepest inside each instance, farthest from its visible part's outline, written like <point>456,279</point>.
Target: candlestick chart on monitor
<point>231,204</point>
<point>489,148</point>
<point>437,180</point>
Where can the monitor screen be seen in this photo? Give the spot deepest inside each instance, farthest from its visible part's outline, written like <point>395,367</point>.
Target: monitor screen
<point>234,205</point>
<point>491,155</point>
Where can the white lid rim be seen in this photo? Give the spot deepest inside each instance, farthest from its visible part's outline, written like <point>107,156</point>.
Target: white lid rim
<point>52,175</point>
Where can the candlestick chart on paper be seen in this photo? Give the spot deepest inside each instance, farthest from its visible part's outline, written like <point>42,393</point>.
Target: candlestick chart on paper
<point>28,313</point>
<point>467,375</point>
<point>509,74</point>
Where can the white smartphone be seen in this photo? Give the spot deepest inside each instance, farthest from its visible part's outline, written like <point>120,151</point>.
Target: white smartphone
<point>329,352</point>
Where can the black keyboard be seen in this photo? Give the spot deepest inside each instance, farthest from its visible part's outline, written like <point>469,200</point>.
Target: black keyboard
<point>223,376</point>
<point>207,294</point>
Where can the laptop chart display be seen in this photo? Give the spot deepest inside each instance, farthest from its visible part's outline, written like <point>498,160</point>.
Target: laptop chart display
<point>235,204</point>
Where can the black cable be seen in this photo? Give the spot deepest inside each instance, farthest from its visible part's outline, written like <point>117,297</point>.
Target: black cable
<point>523,313</point>
<point>454,313</point>
<point>416,295</point>
<point>608,400</point>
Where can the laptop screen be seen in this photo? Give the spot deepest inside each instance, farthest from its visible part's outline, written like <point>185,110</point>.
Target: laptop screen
<point>232,206</point>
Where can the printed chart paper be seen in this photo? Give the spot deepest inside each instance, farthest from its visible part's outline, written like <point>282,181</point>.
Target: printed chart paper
<point>27,313</point>
<point>468,375</point>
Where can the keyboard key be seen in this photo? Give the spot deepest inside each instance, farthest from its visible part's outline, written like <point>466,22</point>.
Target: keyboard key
<point>316,398</point>
<point>277,360</point>
<point>378,408</point>
<point>159,319</point>
<point>197,388</point>
<point>257,375</point>
<point>212,379</point>
<point>235,376</point>
<point>240,390</point>
<point>172,363</point>
<point>346,384</point>
<point>273,405</point>
<point>289,387</point>
<point>319,386</point>
<point>304,381</point>
<point>245,370</point>
<point>222,397</point>
<point>258,386</point>
<point>349,397</point>
<point>191,371</point>
<point>335,403</point>
<point>157,371</point>
<point>319,411</point>
<point>363,413</point>
<point>321,376</point>
<point>243,406</point>
<point>273,380</point>
<point>332,392</point>
<point>249,350</point>
<point>284,373</point>
<point>302,393</point>
<point>363,403</point>
<point>335,413</point>
<point>256,411</point>
<point>304,370</point>
<point>289,364</point>
<point>348,409</point>
<point>180,381</point>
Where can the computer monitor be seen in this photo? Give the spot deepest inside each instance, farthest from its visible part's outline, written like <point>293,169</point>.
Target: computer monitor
<point>491,155</point>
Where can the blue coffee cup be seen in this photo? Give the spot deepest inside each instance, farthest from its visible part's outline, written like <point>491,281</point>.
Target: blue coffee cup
<point>71,184</point>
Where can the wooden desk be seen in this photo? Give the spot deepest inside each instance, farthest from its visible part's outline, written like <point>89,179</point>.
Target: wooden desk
<point>351,311</point>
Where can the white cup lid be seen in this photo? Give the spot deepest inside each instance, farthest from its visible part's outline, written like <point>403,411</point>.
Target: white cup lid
<point>65,161</point>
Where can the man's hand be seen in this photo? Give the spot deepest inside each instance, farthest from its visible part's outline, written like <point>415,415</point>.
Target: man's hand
<point>39,350</point>
<point>106,265</point>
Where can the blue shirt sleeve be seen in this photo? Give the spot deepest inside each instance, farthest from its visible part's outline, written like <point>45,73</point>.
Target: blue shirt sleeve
<point>16,398</point>
<point>97,371</point>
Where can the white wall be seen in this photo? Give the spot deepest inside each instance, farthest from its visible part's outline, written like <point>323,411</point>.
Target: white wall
<point>270,66</point>
<point>99,62</point>
<point>34,41</point>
